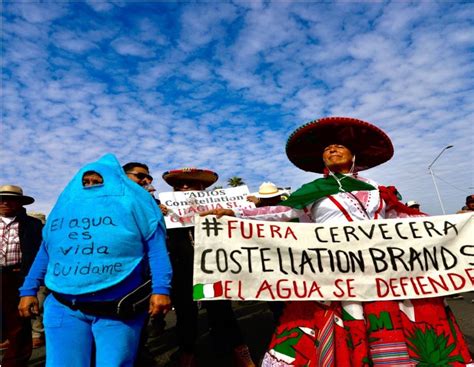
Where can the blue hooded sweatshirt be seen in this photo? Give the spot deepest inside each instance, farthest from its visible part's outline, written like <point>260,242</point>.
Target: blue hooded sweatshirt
<point>95,235</point>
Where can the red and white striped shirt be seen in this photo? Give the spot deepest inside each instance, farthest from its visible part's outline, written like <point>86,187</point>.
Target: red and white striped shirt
<point>10,247</point>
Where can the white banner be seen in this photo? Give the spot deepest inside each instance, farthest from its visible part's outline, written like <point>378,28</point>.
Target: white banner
<point>359,261</point>
<point>183,205</point>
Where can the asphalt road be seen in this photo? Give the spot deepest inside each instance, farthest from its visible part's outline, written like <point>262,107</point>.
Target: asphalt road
<point>257,324</point>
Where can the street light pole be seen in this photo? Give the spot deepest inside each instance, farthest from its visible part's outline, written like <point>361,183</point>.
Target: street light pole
<point>434,181</point>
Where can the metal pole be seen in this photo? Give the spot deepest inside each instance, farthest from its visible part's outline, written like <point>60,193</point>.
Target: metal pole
<point>439,155</point>
<point>437,191</point>
<point>434,181</point>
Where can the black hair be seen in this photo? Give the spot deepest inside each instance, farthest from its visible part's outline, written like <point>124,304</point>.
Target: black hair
<point>91,173</point>
<point>130,165</point>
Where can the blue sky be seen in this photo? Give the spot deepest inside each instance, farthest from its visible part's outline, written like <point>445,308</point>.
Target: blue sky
<point>221,85</point>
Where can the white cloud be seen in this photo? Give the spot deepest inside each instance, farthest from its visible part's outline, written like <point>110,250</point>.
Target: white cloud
<point>100,6</point>
<point>37,12</point>
<point>129,47</point>
<point>73,42</point>
<point>221,86</point>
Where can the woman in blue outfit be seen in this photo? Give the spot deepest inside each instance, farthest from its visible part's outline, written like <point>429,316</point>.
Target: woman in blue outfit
<point>102,240</point>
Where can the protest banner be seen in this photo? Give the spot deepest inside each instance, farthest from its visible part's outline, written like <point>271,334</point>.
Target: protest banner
<point>183,205</point>
<point>354,261</point>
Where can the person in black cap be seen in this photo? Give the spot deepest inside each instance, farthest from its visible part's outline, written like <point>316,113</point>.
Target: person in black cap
<point>21,238</point>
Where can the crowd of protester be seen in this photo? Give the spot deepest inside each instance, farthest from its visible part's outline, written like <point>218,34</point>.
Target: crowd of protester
<point>96,306</point>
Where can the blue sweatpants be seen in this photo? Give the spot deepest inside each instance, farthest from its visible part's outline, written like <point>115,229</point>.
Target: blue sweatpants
<point>71,334</point>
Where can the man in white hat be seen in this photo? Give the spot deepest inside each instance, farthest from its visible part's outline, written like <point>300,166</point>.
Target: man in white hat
<point>413,204</point>
<point>21,238</point>
<point>268,195</point>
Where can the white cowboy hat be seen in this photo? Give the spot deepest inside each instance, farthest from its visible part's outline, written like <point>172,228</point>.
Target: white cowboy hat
<point>412,203</point>
<point>268,190</point>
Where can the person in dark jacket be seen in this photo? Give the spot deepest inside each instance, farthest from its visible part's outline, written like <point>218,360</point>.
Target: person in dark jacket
<point>224,329</point>
<point>21,238</point>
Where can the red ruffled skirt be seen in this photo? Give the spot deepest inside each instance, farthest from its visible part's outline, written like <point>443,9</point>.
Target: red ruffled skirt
<point>383,333</point>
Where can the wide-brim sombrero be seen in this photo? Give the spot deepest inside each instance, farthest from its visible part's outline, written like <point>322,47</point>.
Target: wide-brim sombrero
<point>370,144</point>
<point>203,176</point>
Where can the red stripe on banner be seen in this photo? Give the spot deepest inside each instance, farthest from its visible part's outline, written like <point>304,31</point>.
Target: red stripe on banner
<point>340,207</point>
<point>218,289</point>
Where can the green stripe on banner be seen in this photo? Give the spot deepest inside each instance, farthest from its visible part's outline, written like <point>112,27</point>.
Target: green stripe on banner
<point>198,291</point>
<point>207,290</point>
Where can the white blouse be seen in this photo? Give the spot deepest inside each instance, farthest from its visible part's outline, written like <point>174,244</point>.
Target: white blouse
<point>341,207</point>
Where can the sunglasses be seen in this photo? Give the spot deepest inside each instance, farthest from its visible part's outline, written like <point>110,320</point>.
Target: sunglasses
<point>141,175</point>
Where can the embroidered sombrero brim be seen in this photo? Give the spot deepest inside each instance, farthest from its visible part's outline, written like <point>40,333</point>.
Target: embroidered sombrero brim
<point>206,177</point>
<point>306,144</point>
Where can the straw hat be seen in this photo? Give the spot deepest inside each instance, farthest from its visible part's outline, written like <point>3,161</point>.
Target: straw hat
<point>306,144</point>
<point>206,177</point>
<point>268,190</point>
<point>13,191</point>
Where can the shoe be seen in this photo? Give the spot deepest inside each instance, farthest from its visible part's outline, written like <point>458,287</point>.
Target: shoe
<point>38,343</point>
<point>4,345</point>
<point>187,360</point>
<point>241,356</point>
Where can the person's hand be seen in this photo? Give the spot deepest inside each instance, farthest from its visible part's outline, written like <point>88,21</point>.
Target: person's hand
<point>164,209</point>
<point>28,306</point>
<point>218,213</point>
<point>159,303</point>
<point>253,199</point>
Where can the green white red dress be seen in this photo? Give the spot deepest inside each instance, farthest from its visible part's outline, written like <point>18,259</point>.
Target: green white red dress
<point>407,333</point>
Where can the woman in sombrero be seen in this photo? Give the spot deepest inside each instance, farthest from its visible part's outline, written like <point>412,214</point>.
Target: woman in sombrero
<point>414,332</point>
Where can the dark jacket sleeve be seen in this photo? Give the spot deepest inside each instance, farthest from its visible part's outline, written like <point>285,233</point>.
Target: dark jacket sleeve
<point>30,233</point>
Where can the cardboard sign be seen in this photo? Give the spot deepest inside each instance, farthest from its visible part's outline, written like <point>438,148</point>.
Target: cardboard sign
<point>183,205</point>
<point>354,261</point>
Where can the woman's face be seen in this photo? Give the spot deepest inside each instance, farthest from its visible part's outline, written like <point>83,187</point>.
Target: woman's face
<point>337,158</point>
<point>92,179</point>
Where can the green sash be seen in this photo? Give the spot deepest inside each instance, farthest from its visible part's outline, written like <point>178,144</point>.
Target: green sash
<point>321,187</point>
